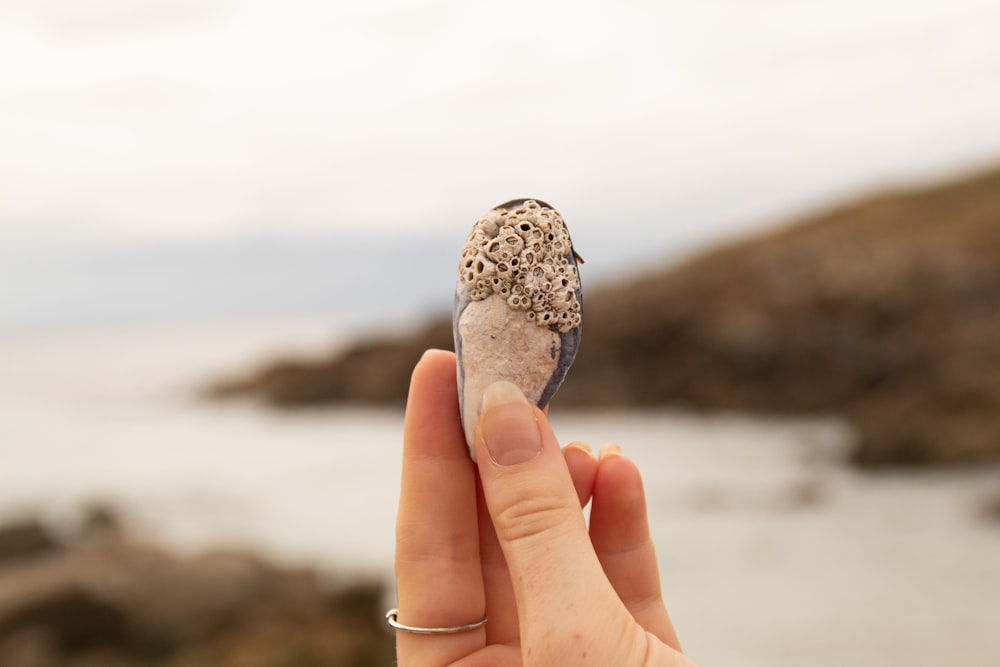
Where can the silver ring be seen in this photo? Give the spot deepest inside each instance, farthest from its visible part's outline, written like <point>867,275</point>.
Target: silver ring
<point>391,615</point>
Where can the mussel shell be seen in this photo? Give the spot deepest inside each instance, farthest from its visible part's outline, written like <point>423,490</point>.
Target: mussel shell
<point>518,305</point>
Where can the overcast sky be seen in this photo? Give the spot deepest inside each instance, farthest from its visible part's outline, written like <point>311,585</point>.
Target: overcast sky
<point>214,119</point>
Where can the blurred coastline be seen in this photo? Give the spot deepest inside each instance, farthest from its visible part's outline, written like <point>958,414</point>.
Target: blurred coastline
<point>201,191</point>
<point>882,311</point>
<point>753,517</point>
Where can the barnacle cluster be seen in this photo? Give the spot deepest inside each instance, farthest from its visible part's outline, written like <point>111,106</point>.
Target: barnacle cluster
<point>525,255</point>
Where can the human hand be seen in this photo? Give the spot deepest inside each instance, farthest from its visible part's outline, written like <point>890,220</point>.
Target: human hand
<point>512,540</point>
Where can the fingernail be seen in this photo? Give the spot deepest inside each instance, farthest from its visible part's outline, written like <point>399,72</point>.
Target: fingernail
<point>508,425</point>
<point>609,450</point>
<point>582,446</point>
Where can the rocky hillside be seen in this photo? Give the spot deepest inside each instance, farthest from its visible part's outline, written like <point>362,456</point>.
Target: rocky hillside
<point>886,312</point>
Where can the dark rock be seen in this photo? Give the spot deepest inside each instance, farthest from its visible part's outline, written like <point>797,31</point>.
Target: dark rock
<point>100,522</point>
<point>24,540</point>
<point>990,507</point>
<point>102,600</point>
<point>886,312</point>
<point>72,619</point>
<point>368,372</point>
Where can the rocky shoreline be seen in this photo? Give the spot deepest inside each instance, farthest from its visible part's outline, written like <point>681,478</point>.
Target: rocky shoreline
<point>886,312</point>
<point>95,598</point>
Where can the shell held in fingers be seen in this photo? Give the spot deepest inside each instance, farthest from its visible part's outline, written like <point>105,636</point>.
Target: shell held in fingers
<point>517,312</point>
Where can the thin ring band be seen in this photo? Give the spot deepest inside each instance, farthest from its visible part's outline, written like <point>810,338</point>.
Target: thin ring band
<point>391,615</point>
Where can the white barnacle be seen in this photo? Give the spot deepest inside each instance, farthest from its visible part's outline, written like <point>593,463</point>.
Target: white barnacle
<point>514,243</point>
<point>522,254</point>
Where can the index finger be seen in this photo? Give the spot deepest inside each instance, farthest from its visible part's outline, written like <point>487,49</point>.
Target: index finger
<point>439,579</point>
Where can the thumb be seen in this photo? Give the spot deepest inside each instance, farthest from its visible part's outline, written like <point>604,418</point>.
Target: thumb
<point>536,512</point>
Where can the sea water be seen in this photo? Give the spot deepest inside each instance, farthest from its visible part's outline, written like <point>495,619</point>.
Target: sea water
<point>773,551</point>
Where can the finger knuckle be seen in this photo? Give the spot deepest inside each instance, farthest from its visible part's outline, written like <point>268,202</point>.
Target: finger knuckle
<point>528,517</point>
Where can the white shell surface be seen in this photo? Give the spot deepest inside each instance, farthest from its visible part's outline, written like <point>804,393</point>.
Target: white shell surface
<point>517,308</point>
<point>498,346</point>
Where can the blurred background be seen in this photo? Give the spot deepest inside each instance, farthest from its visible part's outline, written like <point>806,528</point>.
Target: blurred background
<point>265,202</point>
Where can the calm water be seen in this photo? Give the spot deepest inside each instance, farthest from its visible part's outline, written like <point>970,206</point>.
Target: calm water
<point>773,552</point>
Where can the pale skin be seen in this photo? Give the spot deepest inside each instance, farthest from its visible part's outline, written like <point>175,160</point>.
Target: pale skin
<point>506,537</point>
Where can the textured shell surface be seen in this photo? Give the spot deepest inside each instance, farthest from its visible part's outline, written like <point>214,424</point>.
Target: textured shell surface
<point>517,311</point>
